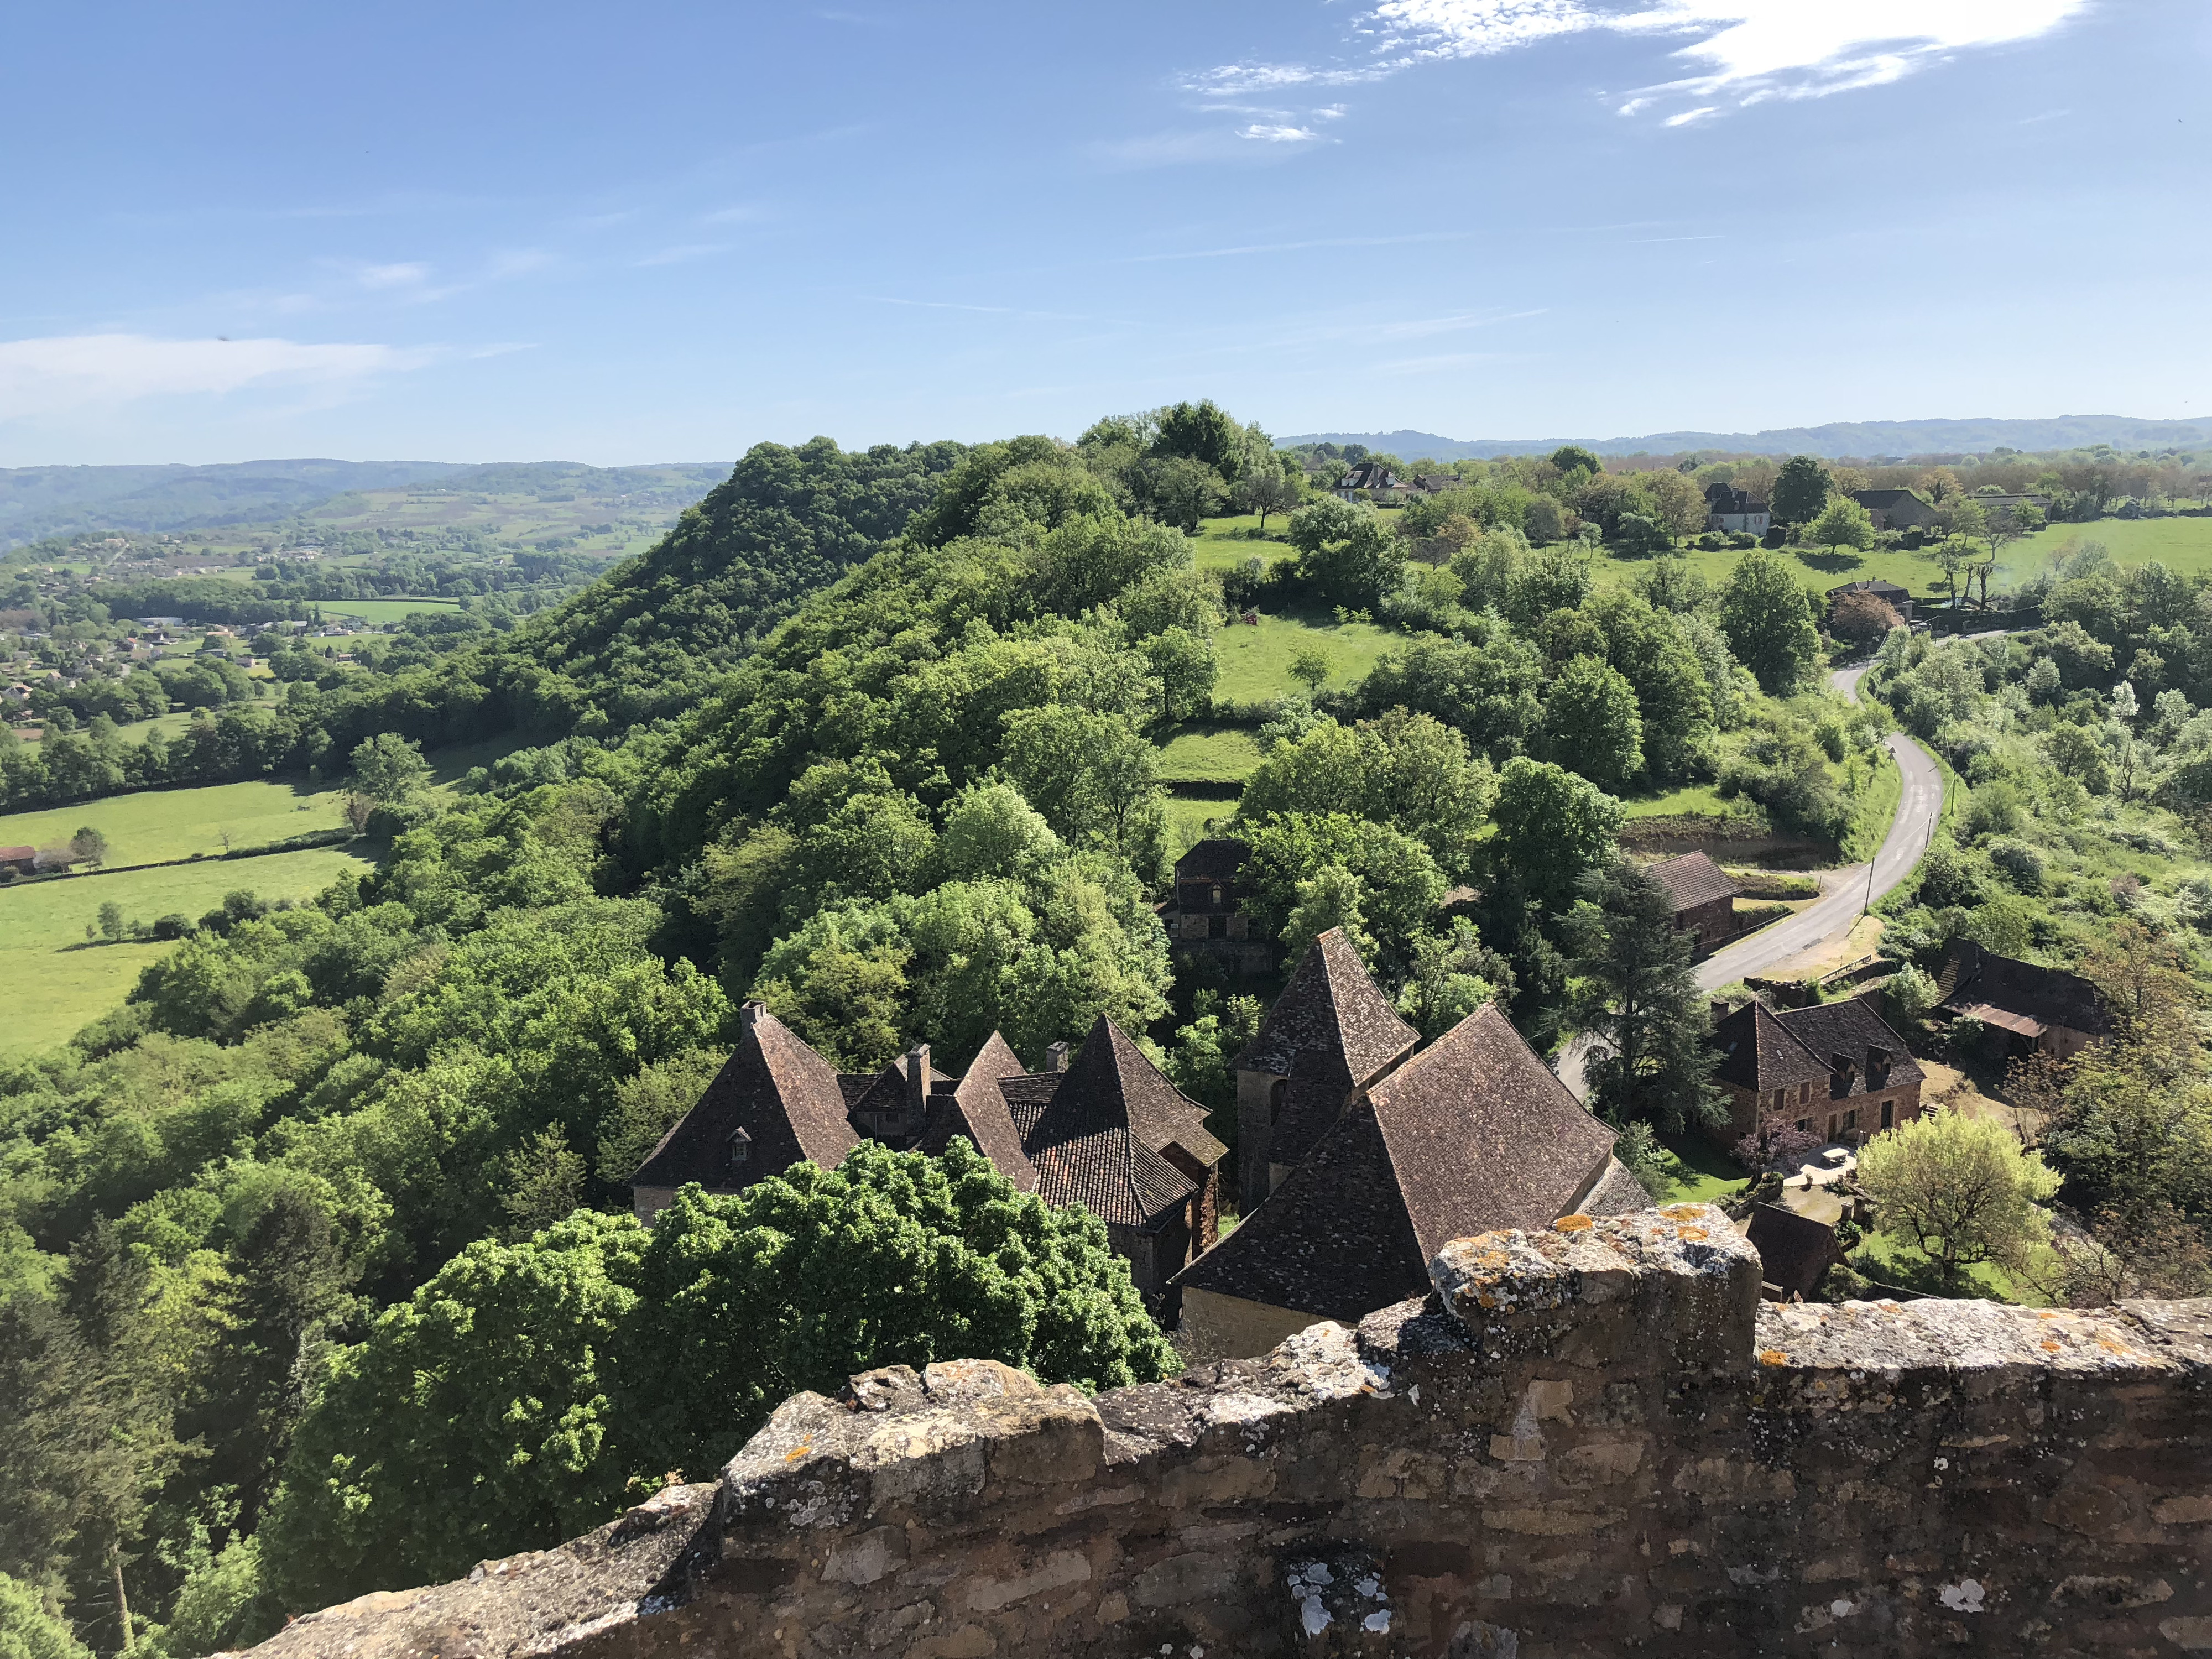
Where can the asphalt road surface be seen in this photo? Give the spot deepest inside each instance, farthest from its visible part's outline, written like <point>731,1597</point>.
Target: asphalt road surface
<point>1846,893</point>
<point>1830,916</point>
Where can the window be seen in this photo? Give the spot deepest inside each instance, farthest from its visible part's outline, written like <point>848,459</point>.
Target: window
<point>1851,1122</point>
<point>1804,1125</point>
<point>1886,1110</point>
<point>1217,894</point>
<point>1275,1092</point>
<point>735,1151</point>
<point>1832,1126</point>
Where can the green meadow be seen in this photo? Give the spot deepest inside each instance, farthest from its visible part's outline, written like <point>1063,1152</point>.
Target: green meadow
<point>58,983</point>
<point>1208,754</point>
<point>1255,660</point>
<point>175,824</point>
<point>384,610</point>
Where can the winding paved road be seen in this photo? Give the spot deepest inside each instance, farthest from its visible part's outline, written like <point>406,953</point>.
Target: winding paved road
<point>1830,917</point>
<point>1845,894</point>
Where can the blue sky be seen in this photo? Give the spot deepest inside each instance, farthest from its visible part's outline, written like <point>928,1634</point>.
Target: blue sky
<point>665,231</point>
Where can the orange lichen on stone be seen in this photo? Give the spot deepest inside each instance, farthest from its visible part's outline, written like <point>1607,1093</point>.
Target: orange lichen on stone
<point>1574,1224</point>
<point>1692,1234</point>
<point>1772,1357</point>
<point>2051,1348</point>
<point>799,1451</point>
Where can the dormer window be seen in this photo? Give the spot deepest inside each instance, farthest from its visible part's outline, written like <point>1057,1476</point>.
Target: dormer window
<point>737,1151</point>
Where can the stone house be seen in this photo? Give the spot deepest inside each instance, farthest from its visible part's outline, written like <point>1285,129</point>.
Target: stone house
<point>2043,1010</point>
<point>1470,1135</point>
<point>1895,509</point>
<point>1202,915</point>
<point>1109,1132</point>
<point>1331,1033</point>
<point>1737,511</point>
<point>1835,1070</point>
<point>23,861</point>
<point>1898,599</point>
<point>1704,896</point>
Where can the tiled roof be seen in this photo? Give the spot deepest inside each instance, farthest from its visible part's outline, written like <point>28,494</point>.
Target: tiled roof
<point>1471,1133</point>
<point>1330,1002</point>
<point>1215,858</point>
<point>1312,1101</point>
<point>1759,1053</point>
<point>977,1109</point>
<point>783,1095</point>
<point>1853,1031</point>
<point>1113,1068</point>
<point>2052,995</point>
<point>1795,1251</point>
<point>1691,879</point>
<point>1874,585</point>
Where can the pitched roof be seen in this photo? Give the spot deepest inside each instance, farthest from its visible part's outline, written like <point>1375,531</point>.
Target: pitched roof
<point>783,1095</point>
<point>977,1109</point>
<point>1217,857</point>
<point>1112,1072</point>
<point>2049,995</point>
<point>1312,1101</point>
<point>1473,1133</point>
<point>1875,585</point>
<point>1883,497</point>
<point>1795,1251</point>
<point>1852,1030</point>
<point>1691,880</point>
<point>1759,1052</point>
<point>17,855</point>
<point>1330,1002</point>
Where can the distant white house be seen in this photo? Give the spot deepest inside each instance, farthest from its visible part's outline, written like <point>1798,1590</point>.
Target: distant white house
<point>1737,511</point>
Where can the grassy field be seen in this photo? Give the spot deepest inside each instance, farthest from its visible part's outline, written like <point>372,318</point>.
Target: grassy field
<point>384,610</point>
<point>1190,822</point>
<point>1697,1172</point>
<point>1255,662</point>
<point>175,824</point>
<point>1209,754</point>
<point>1691,800</point>
<point>2184,544</point>
<point>57,984</point>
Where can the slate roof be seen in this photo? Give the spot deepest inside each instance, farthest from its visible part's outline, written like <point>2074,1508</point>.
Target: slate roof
<point>1691,880</point>
<point>1319,1085</point>
<point>1795,1251</point>
<point>1329,1002</point>
<point>1760,1053</point>
<point>1852,1030</point>
<point>1875,585</point>
<point>1762,1050</point>
<point>1216,858</point>
<point>784,1096</point>
<point>977,1109</point>
<point>2050,996</point>
<point>1108,1131</point>
<point>1368,475</point>
<point>1472,1133</point>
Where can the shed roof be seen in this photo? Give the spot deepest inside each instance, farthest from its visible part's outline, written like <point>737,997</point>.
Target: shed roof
<point>1691,880</point>
<point>2050,995</point>
<point>1795,1251</point>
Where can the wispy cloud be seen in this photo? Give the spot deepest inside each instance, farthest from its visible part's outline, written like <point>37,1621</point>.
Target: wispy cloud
<point>76,371</point>
<point>411,274</point>
<point>1293,248</point>
<point>681,253</point>
<point>1278,135</point>
<point>1744,52</point>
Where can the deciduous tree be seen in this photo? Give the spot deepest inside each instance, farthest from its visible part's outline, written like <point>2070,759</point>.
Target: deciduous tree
<point>1960,1188</point>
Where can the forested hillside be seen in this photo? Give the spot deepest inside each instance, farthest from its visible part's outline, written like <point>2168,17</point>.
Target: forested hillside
<point>873,738</point>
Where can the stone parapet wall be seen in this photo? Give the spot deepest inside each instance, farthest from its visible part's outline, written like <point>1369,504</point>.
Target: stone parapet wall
<point>1593,1441</point>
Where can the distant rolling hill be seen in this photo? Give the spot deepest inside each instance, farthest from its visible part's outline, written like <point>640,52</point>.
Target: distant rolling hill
<point>1837,440</point>
<point>38,502</point>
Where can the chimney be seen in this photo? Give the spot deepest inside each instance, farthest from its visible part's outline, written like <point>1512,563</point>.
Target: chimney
<point>1055,1057</point>
<point>917,1076</point>
<point>751,1012</point>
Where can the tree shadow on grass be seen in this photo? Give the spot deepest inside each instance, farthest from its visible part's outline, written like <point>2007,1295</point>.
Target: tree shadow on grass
<point>1832,562</point>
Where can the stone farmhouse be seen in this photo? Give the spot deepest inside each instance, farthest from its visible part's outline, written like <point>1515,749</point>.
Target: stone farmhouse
<point>1737,511</point>
<point>1898,599</point>
<point>1108,1131</point>
<point>1203,918</point>
<point>1895,509</point>
<point>2044,1010</point>
<point>1835,1070</point>
<point>1705,897</point>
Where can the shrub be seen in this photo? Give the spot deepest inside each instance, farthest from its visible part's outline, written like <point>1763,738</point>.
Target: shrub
<point>2020,864</point>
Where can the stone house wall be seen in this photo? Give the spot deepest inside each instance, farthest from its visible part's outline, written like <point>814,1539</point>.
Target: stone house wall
<point>1590,1442</point>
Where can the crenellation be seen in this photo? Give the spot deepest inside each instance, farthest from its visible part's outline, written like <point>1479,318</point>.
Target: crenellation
<point>1593,1440</point>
